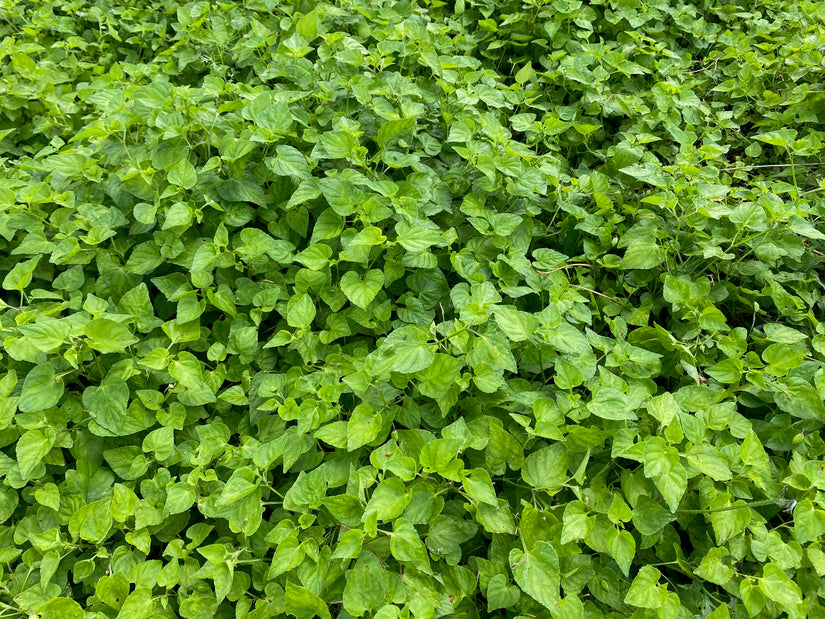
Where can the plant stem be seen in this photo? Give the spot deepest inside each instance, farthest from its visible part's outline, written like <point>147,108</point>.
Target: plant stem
<point>728,508</point>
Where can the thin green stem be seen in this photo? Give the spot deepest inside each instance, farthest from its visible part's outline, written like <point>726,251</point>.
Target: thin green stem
<point>728,508</point>
<point>771,165</point>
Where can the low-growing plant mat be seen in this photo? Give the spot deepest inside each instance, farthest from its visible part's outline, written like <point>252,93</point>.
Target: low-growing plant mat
<point>412,309</point>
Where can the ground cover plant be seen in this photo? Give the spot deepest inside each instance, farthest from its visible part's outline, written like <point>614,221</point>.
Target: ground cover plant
<point>412,309</point>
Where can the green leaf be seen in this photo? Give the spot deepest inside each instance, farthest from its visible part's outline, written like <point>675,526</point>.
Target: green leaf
<point>778,588</point>
<point>139,605</point>
<point>622,548</point>
<point>289,161</point>
<point>20,276</point>
<point>366,586</point>
<point>126,462</point>
<point>726,371</point>
<point>609,403</point>
<point>48,566</point>
<point>112,590</point>
<point>712,567</point>
<point>524,74</point>
<point>268,114</point>
<point>501,595</point>
<point>222,574</point>
<point>479,486</point>
<point>287,557</point>
<point>61,608</point>
<point>315,257</point>
<point>31,448</point>
<point>9,500</point>
<point>243,190</point>
<point>255,243</point>
<point>363,427</point>
<point>576,524</point>
<point>750,216</point>
<point>398,129</point>
<point>643,254</point>
<point>362,290</point>
<point>619,510</point>
<point>437,455</point>
<point>418,236</point>
<point>645,591</point>
<point>388,500</point>
<point>664,408</point>
<point>537,573</point>
<point>647,173</point>
<point>799,399</point>
<point>183,174</point>
<point>663,466</point>
<point>649,517</point>
<point>568,375</point>
<point>179,499</point>
<point>709,463</point>
<point>408,350</point>
<point>179,215</point>
<point>546,468</point>
<point>303,603</point>
<point>93,521</point>
<point>516,325</point>
<point>406,545</point>
<point>781,137</point>
<point>338,144</point>
<point>48,495</point>
<point>108,336</point>
<point>42,389</point>
<point>808,522</point>
<point>440,375</point>
<point>107,404</point>
<point>47,334</point>
<point>300,311</point>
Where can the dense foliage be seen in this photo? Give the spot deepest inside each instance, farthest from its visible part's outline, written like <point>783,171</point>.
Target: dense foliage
<point>412,309</point>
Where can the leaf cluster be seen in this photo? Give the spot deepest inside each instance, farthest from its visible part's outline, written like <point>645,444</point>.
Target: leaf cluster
<point>412,309</point>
